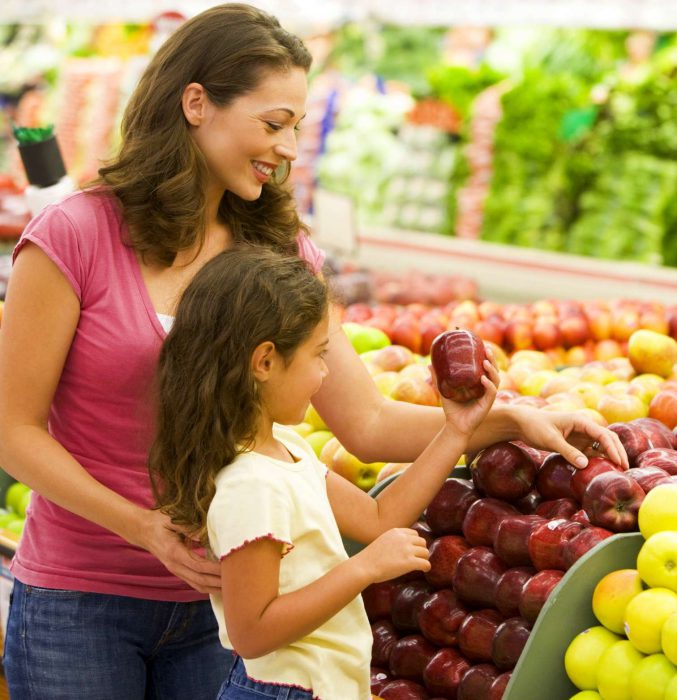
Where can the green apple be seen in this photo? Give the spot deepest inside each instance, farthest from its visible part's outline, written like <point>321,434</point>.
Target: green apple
<point>314,418</point>
<point>583,653</point>
<point>658,511</point>
<point>657,560</point>
<point>16,526</point>
<point>650,677</point>
<point>645,615</point>
<point>361,474</point>
<point>671,689</point>
<point>6,516</point>
<point>303,429</point>
<point>364,338</point>
<point>586,695</point>
<point>24,503</point>
<point>14,496</point>
<point>669,638</point>
<point>318,439</point>
<point>615,667</point>
<point>611,595</point>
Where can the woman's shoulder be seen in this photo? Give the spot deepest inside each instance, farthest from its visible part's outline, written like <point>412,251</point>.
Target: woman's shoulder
<point>82,205</point>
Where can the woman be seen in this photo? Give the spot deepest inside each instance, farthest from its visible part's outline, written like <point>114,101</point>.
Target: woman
<point>110,598</point>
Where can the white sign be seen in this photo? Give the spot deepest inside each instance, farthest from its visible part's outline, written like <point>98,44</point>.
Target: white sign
<point>334,222</point>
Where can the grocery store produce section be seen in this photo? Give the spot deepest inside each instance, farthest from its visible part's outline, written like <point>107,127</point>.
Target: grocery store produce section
<point>517,183</point>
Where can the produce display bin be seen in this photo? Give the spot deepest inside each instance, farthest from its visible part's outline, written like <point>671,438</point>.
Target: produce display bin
<point>567,612</point>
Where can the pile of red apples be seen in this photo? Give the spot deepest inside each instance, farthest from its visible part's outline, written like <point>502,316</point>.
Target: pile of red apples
<point>499,543</point>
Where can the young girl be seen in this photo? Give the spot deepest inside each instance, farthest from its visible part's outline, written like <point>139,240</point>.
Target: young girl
<point>242,361</point>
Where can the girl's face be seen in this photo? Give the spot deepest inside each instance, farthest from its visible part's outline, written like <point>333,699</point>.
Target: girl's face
<point>246,141</point>
<point>291,386</point>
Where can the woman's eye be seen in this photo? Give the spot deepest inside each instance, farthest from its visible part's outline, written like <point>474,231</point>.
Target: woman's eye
<point>274,126</point>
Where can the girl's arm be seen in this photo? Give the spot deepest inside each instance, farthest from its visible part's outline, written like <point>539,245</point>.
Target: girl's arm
<point>259,621</point>
<point>40,318</point>
<point>377,429</point>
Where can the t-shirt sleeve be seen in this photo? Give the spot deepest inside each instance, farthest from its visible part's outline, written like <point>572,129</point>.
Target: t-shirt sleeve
<point>56,235</point>
<point>313,255</point>
<point>247,510</point>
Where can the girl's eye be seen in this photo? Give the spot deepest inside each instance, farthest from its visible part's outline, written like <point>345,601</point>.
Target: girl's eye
<point>297,128</point>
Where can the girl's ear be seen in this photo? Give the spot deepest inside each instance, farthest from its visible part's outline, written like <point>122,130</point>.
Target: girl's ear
<point>193,103</point>
<point>262,360</point>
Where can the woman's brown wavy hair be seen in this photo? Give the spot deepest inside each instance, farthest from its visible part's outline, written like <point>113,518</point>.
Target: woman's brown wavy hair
<point>159,173</point>
<point>207,397</point>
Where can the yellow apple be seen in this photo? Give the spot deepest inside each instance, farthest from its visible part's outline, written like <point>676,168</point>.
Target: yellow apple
<point>658,512</point>
<point>536,358</point>
<point>590,392</point>
<point>303,429</point>
<point>621,368</point>
<point>416,370</point>
<point>615,668</point>
<point>414,390</point>
<point>650,677</point>
<point>671,689</point>
<point>617,387</point>
<point>586,695</point>
<point>657,560</point>
<point>669,638</point>
<point>612,594</point>
<point>502,361</point>
<point>594,416</point>
<point>644,617</point>
<point>318,439</point>
<point>362,474</point>
<point>314,418</point>
<point>652,352</point>
<point>622,408</point>
<point>558,384</point>
<point>392,358</point>
<point>385,381</point>
<point>597,373</point>
<point>645,386</point>
<point>533,383</point>
<point>583,653</point>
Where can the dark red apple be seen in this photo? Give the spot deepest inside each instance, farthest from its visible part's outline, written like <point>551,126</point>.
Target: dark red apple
<point>504,471</point>
<point>443,674</point>
<point>403,690</point>
<point>536,591</point>
<point>582,477</point>
<point>553,479</point>
<point>482,520</point>
<point>509,640</point>
<point>508,592</point>
<point>537,456</point>
<point>410,656</point>
<point>546,542</point>
<point>378,599</point>
<point>633,439</point>
<point>612,500</point>
<point>512,538</point>
<point>476,682</point>
<point>582,543</point>
<point>658,433</point>
<point>498,686</point>
<point>406,604</point>
<point>458,360</point>
<point>529,503</point>
<point>378,678</point>
<point>440,617</point>
<point>648,477</point>
<point>661,457</point>
<point>446,511</point>
<point>384,637</point>
<point>557,508</point>
<point>476,634</point>
<point>580,516</point>
<point>477,572</point>
<point>424,531</point>
<point>444,553</point>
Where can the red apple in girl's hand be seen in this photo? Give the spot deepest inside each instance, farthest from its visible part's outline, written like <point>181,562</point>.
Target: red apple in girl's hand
<point>457,358</point>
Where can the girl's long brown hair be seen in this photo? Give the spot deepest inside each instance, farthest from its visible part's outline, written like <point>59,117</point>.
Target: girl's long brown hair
<point>159,173</point>
<point>208,404</point>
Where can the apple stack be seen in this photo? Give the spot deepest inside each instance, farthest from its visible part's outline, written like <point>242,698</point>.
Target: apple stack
<point>499,543</point>
<point>632,653</point>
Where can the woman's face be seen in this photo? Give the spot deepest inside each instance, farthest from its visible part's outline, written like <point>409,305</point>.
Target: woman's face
<point>246,141</point>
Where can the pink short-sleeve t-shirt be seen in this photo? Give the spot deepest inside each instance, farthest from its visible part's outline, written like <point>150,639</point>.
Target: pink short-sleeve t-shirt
<point>102,409</point>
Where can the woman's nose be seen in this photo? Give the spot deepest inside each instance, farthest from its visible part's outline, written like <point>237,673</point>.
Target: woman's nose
<point>286,148</point>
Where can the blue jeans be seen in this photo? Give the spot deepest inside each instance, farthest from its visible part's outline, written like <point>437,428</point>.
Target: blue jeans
<point>69,645</point>
<point>239,687</point>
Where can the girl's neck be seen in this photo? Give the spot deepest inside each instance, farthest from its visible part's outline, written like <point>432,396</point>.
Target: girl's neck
<point>271,447</point>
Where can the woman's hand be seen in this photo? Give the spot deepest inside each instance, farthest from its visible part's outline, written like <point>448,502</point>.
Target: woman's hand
<point>174,548</point>
<point>465,417</point>
<point>397,551</point>
<point>570,434</point>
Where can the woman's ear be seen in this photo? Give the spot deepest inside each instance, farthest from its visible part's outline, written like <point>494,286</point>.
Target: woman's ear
<point>193,103</point>
<point>263,358</point>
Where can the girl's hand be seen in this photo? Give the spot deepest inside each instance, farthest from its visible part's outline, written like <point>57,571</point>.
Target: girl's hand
<point>178,553</point>
<point>465,417</point>
<point>394,553</point>
<point>570,434</point>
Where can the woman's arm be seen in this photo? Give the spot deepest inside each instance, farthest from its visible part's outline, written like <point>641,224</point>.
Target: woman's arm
<point>374,428</point>
<point>40,318</point>
<point>260,621</point>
